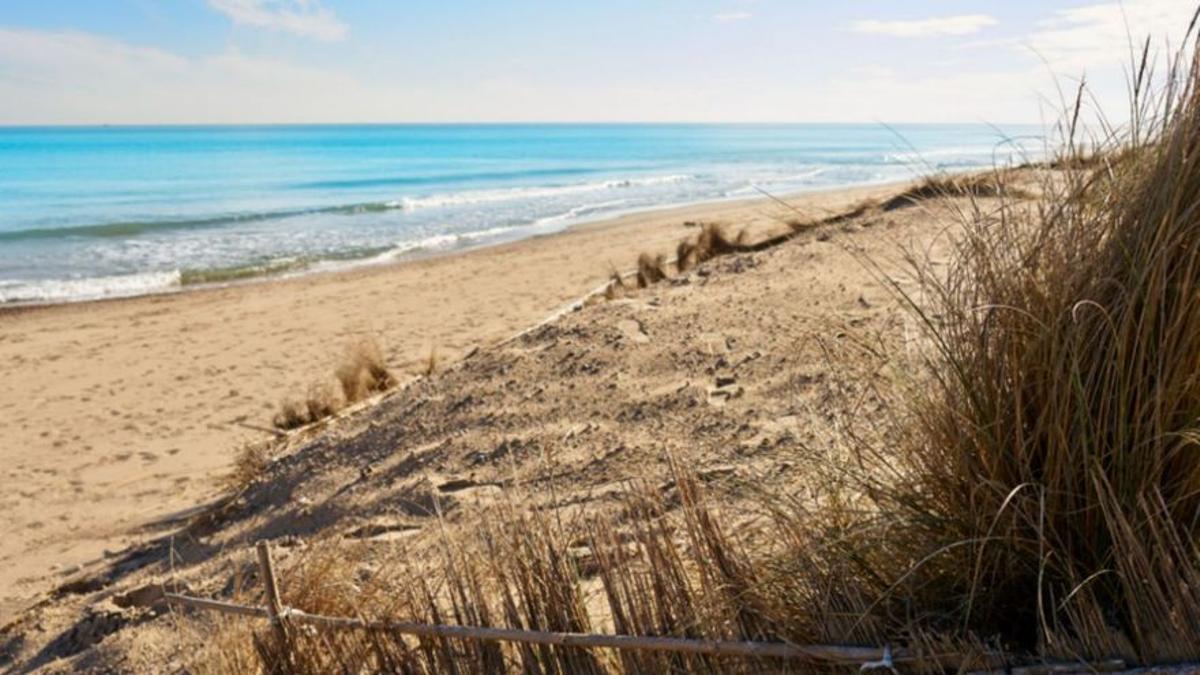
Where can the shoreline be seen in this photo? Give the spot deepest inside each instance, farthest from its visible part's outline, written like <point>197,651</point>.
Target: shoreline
<point>335,266</point>
<point>132,408</point>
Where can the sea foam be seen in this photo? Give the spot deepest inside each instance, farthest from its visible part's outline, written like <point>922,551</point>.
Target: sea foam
<point>522,193</point>
<point>95,288</point>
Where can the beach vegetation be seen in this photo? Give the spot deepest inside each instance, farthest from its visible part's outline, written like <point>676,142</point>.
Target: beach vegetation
<point>1037,498</point>
<point>361,374</point>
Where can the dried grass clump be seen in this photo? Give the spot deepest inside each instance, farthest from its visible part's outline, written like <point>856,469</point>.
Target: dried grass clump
<point>616,287</point>
<point>989,184</point>
<point>431,363</point>
<point>292,414</point>
<point>361,374</point>
<point>714,240</point>
<point>651,269</point>
<point>249,465</point>
<point>686,256</point>
<point>322,401</point>
<point>1047,490</point>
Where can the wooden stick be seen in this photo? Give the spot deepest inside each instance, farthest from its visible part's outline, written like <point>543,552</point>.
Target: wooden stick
<point>277,433</point>
<point>215,605</point>
<point>821,653</point>
<point>717,647</point>
<point>274,605</point>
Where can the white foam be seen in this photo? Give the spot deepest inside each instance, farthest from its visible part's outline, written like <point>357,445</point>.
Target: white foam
<point>579,212</point>
<point>437,242</point>
<point>975,155</point>
<point>512,194</point>
<point>94,288</point>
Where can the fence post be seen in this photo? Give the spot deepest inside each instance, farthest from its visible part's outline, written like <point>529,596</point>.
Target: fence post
<point>274,605</point>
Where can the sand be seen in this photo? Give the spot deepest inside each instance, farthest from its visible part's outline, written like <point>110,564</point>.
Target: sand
<point>118,416</point>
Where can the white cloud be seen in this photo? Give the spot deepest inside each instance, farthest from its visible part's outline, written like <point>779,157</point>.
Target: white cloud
<point>70,77</point>
<point>964,24</point>
<point>306,18</point>
<point>1098,35</point>
<point>78,78</point>
<point>732,16</point>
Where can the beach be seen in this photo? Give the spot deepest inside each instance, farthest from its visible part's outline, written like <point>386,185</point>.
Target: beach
<point>121,414</point>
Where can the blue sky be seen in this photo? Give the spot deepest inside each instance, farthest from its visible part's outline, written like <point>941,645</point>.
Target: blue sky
<point>294,61</point>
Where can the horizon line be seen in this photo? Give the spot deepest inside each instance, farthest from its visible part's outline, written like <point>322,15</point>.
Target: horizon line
<point>136,125</point>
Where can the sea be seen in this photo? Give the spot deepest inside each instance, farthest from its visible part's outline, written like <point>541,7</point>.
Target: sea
<point>96,212</point>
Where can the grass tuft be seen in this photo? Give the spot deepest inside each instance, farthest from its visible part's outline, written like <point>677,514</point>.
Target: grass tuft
<point>651,269</point>
<point>988,184</point>
<point>361,374</point>
<point>249,465</point>
<point>1046,487</point>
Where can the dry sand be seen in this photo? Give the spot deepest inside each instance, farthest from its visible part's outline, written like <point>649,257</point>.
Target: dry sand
<point>117,415</point>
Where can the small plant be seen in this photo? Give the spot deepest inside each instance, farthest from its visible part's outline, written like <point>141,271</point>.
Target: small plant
<point>292,414</point>
<point>362,373</point>
<point>431,363</point>
<point>249,465</point>
<point>651,269</point>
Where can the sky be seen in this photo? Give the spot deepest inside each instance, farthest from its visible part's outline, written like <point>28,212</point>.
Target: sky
<point>388,61</point>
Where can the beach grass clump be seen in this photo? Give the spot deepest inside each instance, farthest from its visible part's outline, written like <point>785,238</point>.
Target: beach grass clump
<point>616,287</point>
<point>651,269</point>
<point>714,240</point>
<point>322,401</point>
<point>986,184</point>
<point>432,363</point>
<point>362,373</point>
<point>292,414</point>
<point>249,465</point>
<point>1046,490</point>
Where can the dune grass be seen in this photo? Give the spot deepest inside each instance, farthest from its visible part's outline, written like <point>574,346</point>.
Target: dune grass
<point>1039,497</point>
<point>362,373</point>
<point>651,269</point>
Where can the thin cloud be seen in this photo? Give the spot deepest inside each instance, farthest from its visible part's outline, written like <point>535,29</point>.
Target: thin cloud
<point>68,77</point>
<point>1099,34</point>
<point>963,24</point>
<point>306,18</point>
<point>726,17</point>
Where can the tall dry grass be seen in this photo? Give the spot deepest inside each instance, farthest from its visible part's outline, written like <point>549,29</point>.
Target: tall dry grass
<point>1047,491</point>
<point>1039,499</point>
<point>658,569</point>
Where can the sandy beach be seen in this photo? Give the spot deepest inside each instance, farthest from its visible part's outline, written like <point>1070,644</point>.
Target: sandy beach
<point>120,413</point>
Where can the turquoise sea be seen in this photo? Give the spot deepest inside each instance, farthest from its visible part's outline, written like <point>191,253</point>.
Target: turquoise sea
<point>109,211</point>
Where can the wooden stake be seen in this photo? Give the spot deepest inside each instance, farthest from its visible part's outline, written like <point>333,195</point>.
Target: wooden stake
<point>266,568</point>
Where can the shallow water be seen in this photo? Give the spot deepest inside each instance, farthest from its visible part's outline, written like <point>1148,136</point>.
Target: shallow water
<point>94,212</point>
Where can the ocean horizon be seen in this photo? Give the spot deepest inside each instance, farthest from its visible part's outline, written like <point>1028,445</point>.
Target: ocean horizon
<point>111,211</point>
